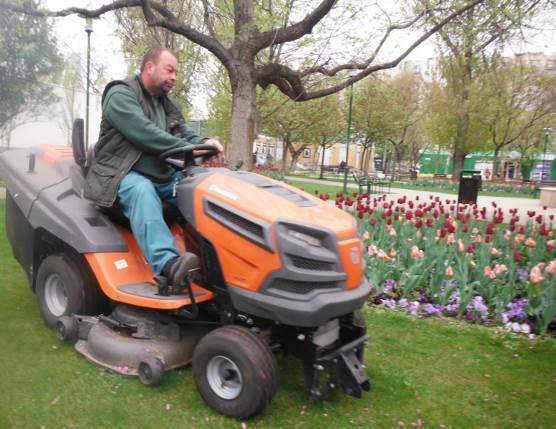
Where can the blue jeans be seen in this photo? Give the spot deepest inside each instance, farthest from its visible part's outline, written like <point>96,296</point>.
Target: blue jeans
<point>141,201</point>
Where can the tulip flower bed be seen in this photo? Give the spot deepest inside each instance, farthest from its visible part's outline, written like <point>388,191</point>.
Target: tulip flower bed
<point>431,258</point>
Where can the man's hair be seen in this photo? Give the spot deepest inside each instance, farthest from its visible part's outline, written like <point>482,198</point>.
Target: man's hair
<point>153,54</point>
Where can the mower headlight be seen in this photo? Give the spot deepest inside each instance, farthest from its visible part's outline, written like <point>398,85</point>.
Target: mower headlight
<point>311,241</point>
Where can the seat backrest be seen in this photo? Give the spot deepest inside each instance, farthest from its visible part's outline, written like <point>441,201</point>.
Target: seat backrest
<point>78,142</point>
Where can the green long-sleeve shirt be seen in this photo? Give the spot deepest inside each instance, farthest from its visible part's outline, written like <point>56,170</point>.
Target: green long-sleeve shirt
<point>124,113</point>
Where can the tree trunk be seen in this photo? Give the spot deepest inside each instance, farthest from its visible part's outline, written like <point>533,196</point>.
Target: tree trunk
<point>244,114</point>
<point>295,154</point>
<point>322,161</point>
<point>363,160</point>
<point>459,157</point>
<point>496,163</point>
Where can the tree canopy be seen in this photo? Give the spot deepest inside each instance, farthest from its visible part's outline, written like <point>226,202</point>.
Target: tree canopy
<point>249,39</point>
<point>28,60</point>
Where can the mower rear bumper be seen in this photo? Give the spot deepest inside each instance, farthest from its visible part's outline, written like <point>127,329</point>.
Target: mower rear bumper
<point>302,310</point>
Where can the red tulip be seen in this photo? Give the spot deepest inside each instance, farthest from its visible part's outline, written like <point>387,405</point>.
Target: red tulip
<point>518,256</point>
<point>490,228</point>
<point>372,221</point>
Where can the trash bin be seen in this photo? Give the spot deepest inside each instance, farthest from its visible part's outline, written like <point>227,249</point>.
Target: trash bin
<point>469,185</point>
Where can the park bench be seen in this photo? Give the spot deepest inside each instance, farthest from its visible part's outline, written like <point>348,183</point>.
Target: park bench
<point>372,183</point>
<point>440,176</point>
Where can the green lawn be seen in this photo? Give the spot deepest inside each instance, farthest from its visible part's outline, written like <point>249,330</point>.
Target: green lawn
<point>437,373</point>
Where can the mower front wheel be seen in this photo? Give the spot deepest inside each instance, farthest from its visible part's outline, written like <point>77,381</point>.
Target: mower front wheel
<point>235,371</point>
<point>63,288</point>
<point>66,328</point>
<point>151,371</point>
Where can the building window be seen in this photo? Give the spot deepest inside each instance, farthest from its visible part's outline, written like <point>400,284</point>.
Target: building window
<point>306,153</point>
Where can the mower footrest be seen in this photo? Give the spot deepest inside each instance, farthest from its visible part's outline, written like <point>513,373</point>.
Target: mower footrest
<point>148,290</point>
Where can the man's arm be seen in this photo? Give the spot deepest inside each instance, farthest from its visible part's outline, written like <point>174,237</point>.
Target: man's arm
<point>122,110</point>
<point>189,134</point>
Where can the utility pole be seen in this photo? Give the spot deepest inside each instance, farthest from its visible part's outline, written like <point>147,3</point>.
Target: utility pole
<point>88,30</point>
<point>348,136</point>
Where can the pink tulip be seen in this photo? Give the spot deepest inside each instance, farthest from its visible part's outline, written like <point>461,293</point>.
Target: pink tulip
<point>500,269</point>
<point>536,275</point>
<point>449,272</point>
<point>551,267</point>
<point>489,273</point>
<point>382,255</point>
<point>416,253</point>
<point>530,243</point>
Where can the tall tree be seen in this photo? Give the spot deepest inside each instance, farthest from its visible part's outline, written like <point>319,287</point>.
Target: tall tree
<point>387,114</point>
<point>516,97</point>
<point>28,60</point>
<point>463,43</point>
<point>248,44</point>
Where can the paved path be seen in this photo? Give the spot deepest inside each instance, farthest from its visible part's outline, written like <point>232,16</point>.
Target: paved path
<point>506,203</point>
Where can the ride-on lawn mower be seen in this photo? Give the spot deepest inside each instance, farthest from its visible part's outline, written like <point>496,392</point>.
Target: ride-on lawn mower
<point>275,269</point>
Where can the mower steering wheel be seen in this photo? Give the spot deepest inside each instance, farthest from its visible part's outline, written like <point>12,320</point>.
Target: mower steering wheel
<point>188,153</point>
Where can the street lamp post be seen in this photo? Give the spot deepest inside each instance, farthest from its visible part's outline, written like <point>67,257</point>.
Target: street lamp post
<point>88,30</point>
<point>546,131</point>
<point>348,137</point>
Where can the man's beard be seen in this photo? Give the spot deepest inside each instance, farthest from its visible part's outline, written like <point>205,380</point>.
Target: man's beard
<point>166,87</point>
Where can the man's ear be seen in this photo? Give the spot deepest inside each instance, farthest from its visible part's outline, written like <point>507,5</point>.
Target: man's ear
<point>149,65</point>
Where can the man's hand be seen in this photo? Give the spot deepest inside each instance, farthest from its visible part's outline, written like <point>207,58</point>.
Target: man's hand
<point>212,142</point>
<point>215,143</point>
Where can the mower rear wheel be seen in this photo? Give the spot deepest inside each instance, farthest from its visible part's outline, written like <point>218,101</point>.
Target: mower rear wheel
<point>151,371</point>
<point>235,371</point>
<point>63,288</point>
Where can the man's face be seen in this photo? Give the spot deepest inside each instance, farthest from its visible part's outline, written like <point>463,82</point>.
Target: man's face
<point>162,74</point>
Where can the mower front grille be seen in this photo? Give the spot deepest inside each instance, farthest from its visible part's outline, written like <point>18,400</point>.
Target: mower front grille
<point>240,223</point>
<point>237,220</point>
<point>301,287</point>
<point>311,264</point>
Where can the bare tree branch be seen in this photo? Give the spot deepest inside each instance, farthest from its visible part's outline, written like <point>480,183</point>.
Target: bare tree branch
<point>359,66</point>
<point>289,81</point>
<point>169,21</point>
<point>294,31</point>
